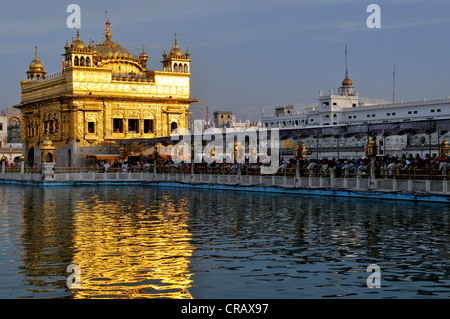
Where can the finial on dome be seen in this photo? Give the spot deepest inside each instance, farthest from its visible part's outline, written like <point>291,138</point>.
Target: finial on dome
<point>346,81</point>
<point>176,41</point>
<point>108,30</point>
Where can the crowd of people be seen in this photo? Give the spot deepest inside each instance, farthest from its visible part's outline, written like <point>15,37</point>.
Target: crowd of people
<point>406,165</point>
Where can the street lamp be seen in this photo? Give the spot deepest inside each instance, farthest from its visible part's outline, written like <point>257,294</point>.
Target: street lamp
<point>4,159</point>
<point>444,149</point>
<point>371,153</point>
<point>238,154</point>
<point>299,153</point>
<point>155,157</point>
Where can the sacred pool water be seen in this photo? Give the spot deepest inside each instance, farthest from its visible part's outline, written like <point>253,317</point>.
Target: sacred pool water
<point>147,242</point>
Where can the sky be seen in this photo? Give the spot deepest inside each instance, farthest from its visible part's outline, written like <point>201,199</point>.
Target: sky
<point>249,55</point>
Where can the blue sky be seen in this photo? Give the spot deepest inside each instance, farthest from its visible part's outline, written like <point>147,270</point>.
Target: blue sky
<point>252,54</point>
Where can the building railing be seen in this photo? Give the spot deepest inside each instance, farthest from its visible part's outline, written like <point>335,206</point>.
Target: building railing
<point>290,171</point>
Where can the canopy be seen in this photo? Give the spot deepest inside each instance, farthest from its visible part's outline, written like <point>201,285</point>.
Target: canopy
<point>102,157</point>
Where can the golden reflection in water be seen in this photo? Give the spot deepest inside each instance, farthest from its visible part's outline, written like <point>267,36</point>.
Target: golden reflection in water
<point>135,248</point>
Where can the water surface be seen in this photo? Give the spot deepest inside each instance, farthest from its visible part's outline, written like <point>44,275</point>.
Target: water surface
<point>147,242</point>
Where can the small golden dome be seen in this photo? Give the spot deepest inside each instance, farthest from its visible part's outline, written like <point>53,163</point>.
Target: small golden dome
<point>78,44</point>
<point>347,81</point>
<point>47,143</point>
<point>176,52</point>
<point>36,65</point>
<point>143,55</point>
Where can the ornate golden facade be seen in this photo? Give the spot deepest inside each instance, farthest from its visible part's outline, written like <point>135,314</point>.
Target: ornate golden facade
<point>103,94</point>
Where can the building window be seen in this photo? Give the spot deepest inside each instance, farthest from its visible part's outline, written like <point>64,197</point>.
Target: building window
<point>409,112</point>
<point>350,117</point>
<point>354,116</point>
<point>373,115</point>
<point>118,125</point>
<point>1,126</point>
<point>368,115</point>
<point>432,111</point>
<point>415,112</point>
<point>148,126</point>
<point>133,126</point>
<point>91,127</point>
<point>334,103</point>
<point>353,105</point>
<point>393,113</point>
<point>173,126</point>
<point>438,110</point>
<point>334,115</point>
<point>388,114</point>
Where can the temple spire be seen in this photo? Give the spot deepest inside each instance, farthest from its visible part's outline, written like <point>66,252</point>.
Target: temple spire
<point>346,62</point>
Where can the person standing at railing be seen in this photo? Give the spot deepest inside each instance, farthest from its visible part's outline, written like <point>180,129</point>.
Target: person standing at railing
<point>398,167</point>
<point>444,166</point>
<point>106,166</point>
<point>390,166</point>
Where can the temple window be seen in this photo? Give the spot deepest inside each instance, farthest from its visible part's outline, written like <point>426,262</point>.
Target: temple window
<point>173,126</point>
<point>133,126</point>
<point>91,127</point>
<point>148,126</point>
<point>118,125</point>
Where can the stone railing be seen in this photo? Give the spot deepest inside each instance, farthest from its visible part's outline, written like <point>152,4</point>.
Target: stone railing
<point>305,180</point>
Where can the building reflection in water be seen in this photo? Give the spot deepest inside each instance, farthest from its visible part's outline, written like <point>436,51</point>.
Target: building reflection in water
<point>127,244</point>
<point>144,242</point>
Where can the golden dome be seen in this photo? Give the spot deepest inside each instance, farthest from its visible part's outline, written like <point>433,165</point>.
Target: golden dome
<point>110,50</point>
<point>347,81</point>
<point>36,65</point>
<point>143,55</point>
<point>113,52</point>
<point>78,44</point>
<point>176,52</point>
<point>47,143</point>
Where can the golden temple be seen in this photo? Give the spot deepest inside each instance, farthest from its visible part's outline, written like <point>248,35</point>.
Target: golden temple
<point>103,94</point>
